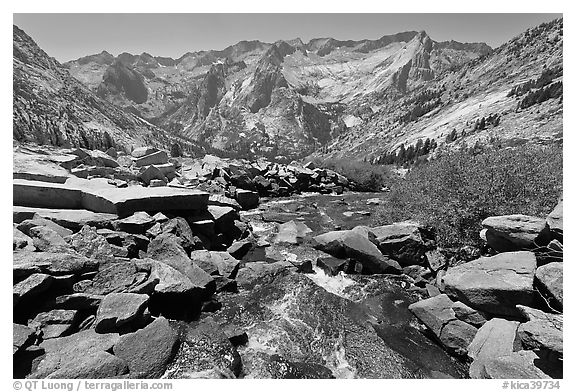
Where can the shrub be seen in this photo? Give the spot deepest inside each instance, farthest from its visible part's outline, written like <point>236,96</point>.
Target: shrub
<point>365,176</point>
<point>458,190</point>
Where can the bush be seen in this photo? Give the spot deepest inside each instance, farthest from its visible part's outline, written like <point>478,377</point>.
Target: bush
<point>458,190</point>
<point>365,176</point>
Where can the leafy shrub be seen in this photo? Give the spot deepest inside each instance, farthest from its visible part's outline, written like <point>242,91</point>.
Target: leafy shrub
<point>458,190</point>
<point>365,176</point>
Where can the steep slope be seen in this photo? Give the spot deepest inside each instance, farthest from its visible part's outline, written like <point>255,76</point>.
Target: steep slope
<point>281,100</point>
<point>451,107</point>
<point>51,107</point>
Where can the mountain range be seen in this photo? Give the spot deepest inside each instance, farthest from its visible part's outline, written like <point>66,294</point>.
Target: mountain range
<point>290,100</point>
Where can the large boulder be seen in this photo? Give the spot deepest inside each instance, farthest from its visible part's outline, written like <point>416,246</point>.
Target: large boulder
<point>257,273</point>
<point>494,339</point>
<point>140,152</point>
<point>149,350</point>
<point>356,246</point>
<point>550,278</point>
<point>151,173</point>
<point>101,197</point>
<point>406,242</point>
<point>27,225</point>
<point>119,310</point>
<point>81,355</point>
<point>510,233</point>
<point>438,315</point>
<point>494,284</point>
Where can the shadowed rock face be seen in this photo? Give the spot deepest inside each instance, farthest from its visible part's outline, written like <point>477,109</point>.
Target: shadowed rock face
<point>302,322</point>
<point>120,79</point>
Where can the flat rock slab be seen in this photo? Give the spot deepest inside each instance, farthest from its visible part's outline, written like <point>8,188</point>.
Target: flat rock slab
<point>81,355</point>
<point>149,350</point>
<point>114,278</point>
<point>54,323</point>
<point>70,219</point>
<point>401,241</point>
<point>494,284</point>
<point>508,233</point>
<point>98,198</point>
<point>155,158</point>
<point>291,233</point>
<point>27,263</point>
<point>551,278</point>
<point>494,339</point>
<point>118,309</point>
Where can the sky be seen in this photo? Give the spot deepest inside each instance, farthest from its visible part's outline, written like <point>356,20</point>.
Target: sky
<point>70,36</point>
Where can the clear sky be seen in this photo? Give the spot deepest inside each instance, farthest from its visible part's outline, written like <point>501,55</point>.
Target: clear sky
<point>70,36</point>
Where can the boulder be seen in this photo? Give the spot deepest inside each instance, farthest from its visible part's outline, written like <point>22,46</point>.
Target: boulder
<point>21,241</point>
<point>496,338</point>
<point>114,278</point>
<point>47,240</point>
<point>118,310</point>
<point>247,199</point>
<point>216,263</point>
<point>149,350</point>
<point>54,323</point>
<point>166,248</point>
<point>28,224</point>
<point>332,265</point>
<point>354,245</point>
<point>223,201</point>
<point>550,278</point>
<point>155,158</point>
<point>437,314</point>
<point>78,301</point>
<point>27,263</point>
<point>89,243</point>
<point>81,355</point>
<point>542,332</point>
<point>108,199</point>
<point>239,249</point>
<point>510,233</point>
<point>21,336</point>
<point>143,151</point>
<point>32,286</point>
<point>100,158</point>
<point>291,233</point>
<point>137,223</point>
<point>69,219</point>
<point>151,173</point>
<point>494,284</point>
<point>468,315</point>
<point>405,242</point>
<point>181,229</point>
<point>516,365</point>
